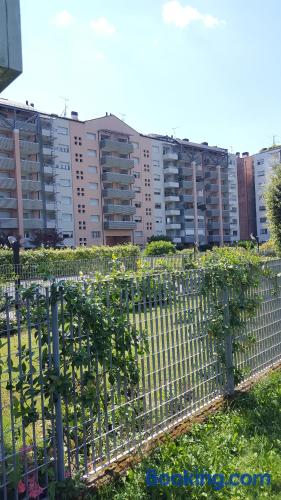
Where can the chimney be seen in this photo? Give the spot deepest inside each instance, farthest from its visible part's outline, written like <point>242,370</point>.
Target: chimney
<point>106,114</point>
<point>204,143</point>
<point>32,104</point>
<point>26,102</point>
<point>74,115</point>
<point>238,154</point>
<point>245,154</point>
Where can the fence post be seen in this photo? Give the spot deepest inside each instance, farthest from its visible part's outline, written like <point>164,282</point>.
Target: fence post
<point>229,365</point>
<point>57,396</point>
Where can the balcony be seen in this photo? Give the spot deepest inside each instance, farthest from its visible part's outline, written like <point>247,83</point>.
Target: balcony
<point>119,178</point>
<point>29,166</point>
<point>189,239</point>
<point>170,157</point>
<point>26,127</point>
<point>30,185</point>
<point>211,175</point>
<point>115,162</point>
<point>7,183</point>
<point>187,198</point>
<point>8,223</point>
<point>46,132</point>
<point>29,204</point>
<point>51,223</point>
<point>49,188</point>
<point>212,200</point>
<point>122,224</point>
<point>172,198</point>
<point>6,144</point>
<point>186,184</point>
<point>224,176</point>
<point>33,223</point>
<point>213,213</point>
<point>215,238</point>
<point>110,146</point>
<point>189,212</point>
<point>186,171</point>
<point>171,170</point>
<point>50,206</point>
<point>119,209</point>
<point>214,188</point>
<point>171,184</point>
<point>123,194</point>
<point>172,212</point>
<point>200,200</point>
<point>213,225</point>
<point>47,151</point>
<point>8,203</point>
<point>173,225</point>
<point>7,163</point>
<point>29,148</point>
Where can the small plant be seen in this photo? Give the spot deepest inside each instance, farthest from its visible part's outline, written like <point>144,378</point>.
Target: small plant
<point>160,248</point>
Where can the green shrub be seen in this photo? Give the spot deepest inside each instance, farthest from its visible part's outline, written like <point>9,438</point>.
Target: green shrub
<point>160,237</point>
<point>160,248</point>
<point>247,244</point>
<point>268,249</point>
<point>273,204</point>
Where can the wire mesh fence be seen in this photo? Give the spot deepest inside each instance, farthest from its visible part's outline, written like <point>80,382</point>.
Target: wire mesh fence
<point>92,369</point>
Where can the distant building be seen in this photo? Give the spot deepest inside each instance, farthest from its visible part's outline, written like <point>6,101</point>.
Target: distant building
<point>246,195</point>
<point>10,42</point>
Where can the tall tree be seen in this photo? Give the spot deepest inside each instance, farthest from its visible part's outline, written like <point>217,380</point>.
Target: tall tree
<point>50,238</point>
<point>273,205</point>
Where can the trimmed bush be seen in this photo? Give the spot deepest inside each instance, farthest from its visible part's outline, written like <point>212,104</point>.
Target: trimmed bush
<point>160,237</point>
<point>159,248</point>
<point>268,249</point>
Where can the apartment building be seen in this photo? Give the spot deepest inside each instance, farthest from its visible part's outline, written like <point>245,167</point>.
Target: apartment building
<point>233,198</point>
<point>26,171</point>
<point>263,163</point>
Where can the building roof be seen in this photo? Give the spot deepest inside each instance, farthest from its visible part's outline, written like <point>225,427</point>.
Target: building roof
<point>184,142</point>
<point>15,104</point>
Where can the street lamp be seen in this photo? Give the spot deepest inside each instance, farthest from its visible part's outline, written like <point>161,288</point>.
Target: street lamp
<point>15,245</point>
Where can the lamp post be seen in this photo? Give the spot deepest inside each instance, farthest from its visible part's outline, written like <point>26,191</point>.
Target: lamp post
<point>15,245</point>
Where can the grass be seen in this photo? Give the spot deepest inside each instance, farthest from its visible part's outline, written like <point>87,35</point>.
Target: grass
<point>245,437</point>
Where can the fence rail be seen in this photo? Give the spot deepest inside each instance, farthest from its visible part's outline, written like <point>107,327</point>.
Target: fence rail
<point>90,370</point>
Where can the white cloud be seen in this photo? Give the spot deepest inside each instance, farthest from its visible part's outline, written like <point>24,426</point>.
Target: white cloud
<point>63,18</point>
<point>103,27</point>
<point>98,55</point>
<point>183,15</point>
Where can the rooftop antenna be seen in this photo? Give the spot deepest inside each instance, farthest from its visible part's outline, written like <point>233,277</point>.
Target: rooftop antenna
<point>66,100</point>
<point>123,116</point>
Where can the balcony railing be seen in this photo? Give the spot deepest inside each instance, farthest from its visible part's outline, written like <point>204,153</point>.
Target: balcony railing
<point>187,198</point>
<point>7,163</point>
<point>119,178</point>
<point>215,238</point>
<point>116,224</point>
<point>172,212</point>
<point>33,223</point>
<point>30,166</point>
<point>30,185</point>
<point>8,203</point>
<point>124,194</point>
<point>119,209</point>
<point>172,225</point>
<point>116,162</point>
<point>29,204</point>
<point>7,183</point>
<point>109,145</point>
<point>171,170</point>
<point>8,223</point>
<point>212,200</point>
<point>170,157</point>
<point>30,148</point>
<point>171,184</point>
<point>6,144</point>
<point>172,198</point>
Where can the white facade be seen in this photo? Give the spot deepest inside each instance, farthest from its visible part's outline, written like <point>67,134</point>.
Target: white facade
<point>233,198</point>
<point>264,162</point>
<point>158,188</point>
<point>63,180</point>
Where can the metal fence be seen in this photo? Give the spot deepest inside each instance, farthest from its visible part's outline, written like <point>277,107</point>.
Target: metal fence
<point>92,370</point>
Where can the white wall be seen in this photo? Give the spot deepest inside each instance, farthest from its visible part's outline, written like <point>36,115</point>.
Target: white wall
<point>233,198</point>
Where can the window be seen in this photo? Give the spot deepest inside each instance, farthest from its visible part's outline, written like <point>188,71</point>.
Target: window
<point>234,233</point>
<point>65,182</point>
<point>66,200</point>
<point>93,185</point>
<point>67,235</point>
<point>77,141</point>
<point>138,204</point>
<point>137,175</point>
<point>83,242</point>
<point>63,148</point>
<point>262,208</point>
<point>95,218</point>
<point>147,182</point>
<point>94,202</point>
<point>157,192</point>
<point>62,131</point>
<point>79,174</point>
<point>261,173</point>
<point>81,209</point>
<point>146,153</point>
<point>96,234</point>
<point>156,163</point>
<point>159,220</point>
<point>137,218</point>
<point>93,170</point>
<point>78,157</point>
<point>26,235</point>
<point>264,231</point>
<point>149,226</point>
<point>63,165</point>
<point>67,217</point>
<point>157,205</point>
<point>91,136</point>
<point>157,177</point>
<point>155,149</point>
<point>137,189</point>
<point>92,152</point>
<point>147,197</point>
<point>80,192</point>
<point>138,234</point>
<point>82,224</point>
<point>260,162</point>
<point>148,211</point>
<point>146,168</point>
<point>263,220</point>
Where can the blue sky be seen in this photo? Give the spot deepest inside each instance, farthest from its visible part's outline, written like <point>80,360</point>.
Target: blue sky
<point>208,68</point>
